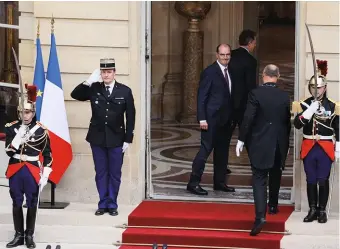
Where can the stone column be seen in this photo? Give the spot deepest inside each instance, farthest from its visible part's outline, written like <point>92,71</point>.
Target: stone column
<point>193,56</point>
<point>192,67</point>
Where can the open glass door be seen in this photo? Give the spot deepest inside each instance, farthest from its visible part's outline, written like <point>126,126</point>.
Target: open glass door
<point>9,37</point>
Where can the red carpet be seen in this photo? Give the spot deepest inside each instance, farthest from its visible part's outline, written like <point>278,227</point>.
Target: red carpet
<point>202,215</point>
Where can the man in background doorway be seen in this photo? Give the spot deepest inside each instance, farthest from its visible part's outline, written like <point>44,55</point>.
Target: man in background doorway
<point>214,107</point>
<point>243,71</point>
<point>265,132</point>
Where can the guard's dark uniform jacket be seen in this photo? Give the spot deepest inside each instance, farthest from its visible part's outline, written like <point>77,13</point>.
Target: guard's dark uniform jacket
<point>28,153</point>
<point>107,128</point>
<point>316,130</point>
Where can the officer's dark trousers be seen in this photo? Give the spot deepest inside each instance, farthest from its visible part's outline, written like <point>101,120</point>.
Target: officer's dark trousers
<point>108,166</point>
<point>317,165</point>
<point>215,138</point>
<point>23,183</point>
<point>260,182</point>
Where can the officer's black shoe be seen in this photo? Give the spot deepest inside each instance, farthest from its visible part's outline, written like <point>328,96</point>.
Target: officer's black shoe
<point>18,220</point>
<point>113,211</point>
<point>322,216</point>
<point>197,190</point>
<point>29,241</point>
<point>17,241</point>
<point>312,215</point>
<point>223,187</point>
<point>30,226</point>
<point>272,210</point>
<point>100,211</point>
<point>258,225</point>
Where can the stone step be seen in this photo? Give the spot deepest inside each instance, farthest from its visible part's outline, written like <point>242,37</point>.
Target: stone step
<point>68,234</point>
<point>74,215</point>
<point>67,246</point>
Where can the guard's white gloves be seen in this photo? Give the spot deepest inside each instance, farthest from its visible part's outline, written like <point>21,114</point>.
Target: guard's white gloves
<point>125,146</point>
<point>95,77</point>
<point>337,151</point>
<point>239,147</point>
<point>20,138</point>
<point>313,108</point>
<point>44,176</point>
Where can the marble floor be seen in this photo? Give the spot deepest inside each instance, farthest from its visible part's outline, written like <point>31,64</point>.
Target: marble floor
<point>174,145</point>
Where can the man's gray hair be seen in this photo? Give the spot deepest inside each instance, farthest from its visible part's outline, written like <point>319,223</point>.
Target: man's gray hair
<point>271,70</point>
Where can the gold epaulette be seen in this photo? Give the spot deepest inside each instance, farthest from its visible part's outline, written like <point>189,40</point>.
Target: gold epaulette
<point>41,125</point>
<point>337,108</point>
<point>12,123</point>
<point>296,107</point>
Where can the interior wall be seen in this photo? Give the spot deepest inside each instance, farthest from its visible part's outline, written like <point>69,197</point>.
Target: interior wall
<point>222,24</point>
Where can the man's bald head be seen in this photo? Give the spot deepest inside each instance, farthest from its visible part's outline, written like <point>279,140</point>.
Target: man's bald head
<point>271,73</point>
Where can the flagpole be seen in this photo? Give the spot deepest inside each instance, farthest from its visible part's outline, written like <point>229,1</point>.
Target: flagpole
<point>52,204</point>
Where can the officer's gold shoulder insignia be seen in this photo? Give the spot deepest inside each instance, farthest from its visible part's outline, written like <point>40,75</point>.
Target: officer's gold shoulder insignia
<point>12,123</point>
<point>296,107</point>
<point>331,100</point>
<point>337,108</point>
<point>41,125</point>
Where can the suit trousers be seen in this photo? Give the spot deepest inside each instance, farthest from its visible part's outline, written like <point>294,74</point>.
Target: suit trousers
<point>215,138</point>
<point>260,183</point>
<point>108,166</point>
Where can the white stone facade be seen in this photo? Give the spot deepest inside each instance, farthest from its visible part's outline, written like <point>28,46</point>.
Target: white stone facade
<point>88,31</point>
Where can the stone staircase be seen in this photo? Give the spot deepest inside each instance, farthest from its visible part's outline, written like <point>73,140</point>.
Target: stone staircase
<point>77,227</point>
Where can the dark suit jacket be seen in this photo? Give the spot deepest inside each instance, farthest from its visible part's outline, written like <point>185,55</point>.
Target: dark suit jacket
<point>213,98</point>
<point>107,127</point>
<point>243,70</point>
<point>266,123</point>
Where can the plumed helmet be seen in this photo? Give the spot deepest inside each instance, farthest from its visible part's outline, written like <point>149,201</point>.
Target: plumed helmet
<point>30,97</point>
<point>322,72</point>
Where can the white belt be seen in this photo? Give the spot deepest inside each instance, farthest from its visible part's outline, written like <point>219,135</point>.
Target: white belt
<point>318,137</point>
<point>26,158</point>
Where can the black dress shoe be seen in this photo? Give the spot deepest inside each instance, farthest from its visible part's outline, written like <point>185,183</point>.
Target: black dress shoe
<point>197,190</point>
<point>258,225</point>
<point>272,210</point>
<point>100,211</point>
<point>113,212</point>
<point>224,188</point>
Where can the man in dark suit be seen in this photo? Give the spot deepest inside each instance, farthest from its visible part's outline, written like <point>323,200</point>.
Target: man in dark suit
<point>108,135</point>
<point>243,70</point>
<point>265,132</point>
<point>214,108</point>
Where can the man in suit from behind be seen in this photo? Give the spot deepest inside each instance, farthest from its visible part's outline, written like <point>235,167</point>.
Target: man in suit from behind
<point>214,108</point>
<point>243,71</point>
<point>265,132</point>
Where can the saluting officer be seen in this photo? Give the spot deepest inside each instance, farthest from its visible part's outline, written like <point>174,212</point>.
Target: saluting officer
<point>109,136</point>
<point>24,141</point>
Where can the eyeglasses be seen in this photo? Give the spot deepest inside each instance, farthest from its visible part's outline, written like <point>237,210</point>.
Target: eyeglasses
<point>224,55</point>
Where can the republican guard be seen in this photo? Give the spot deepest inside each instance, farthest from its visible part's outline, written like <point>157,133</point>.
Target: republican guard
<point>319,118</point>
<point>25,140</point>
<point>109,136</point>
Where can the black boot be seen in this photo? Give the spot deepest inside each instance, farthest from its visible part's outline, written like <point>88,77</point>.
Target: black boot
<point>18,220</point>
<point>323,199</point>
<point>312,194</point>
<point>30,224</point>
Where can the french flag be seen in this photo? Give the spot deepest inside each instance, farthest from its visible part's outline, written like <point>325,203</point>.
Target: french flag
<point>53,116</point>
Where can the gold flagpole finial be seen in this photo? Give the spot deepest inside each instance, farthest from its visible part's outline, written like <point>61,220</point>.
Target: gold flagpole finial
<point>52,24</point>
<point>38,29</point>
